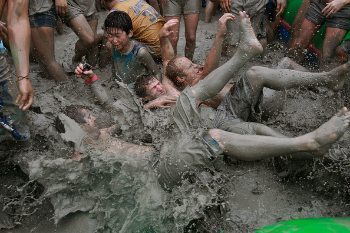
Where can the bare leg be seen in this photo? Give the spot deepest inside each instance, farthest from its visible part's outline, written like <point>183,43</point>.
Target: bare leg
<point>210,10</point>
<point>92,53</point>
<point>296,27</point>
<point>249,47</point>
<point>86,36</point>
<point>252,147</point>
<point>301,42</point>
<point>254,128</point>
<point>191,23</point>
<point>174,38</point>
<point>105,54</point>
<point>43,42</point>
<point>333,38</point>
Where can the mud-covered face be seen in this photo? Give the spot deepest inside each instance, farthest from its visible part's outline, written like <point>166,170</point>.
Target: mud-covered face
<point>118,38</point>
<point>89,118</point>
<point>193,72</point>
<point>154,89</point>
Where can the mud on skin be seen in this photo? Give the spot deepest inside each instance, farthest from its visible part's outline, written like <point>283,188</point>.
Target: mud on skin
<point>108,187</point>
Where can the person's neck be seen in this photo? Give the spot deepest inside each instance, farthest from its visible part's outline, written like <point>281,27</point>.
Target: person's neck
<point>92,132</point>
<point>128,47</point>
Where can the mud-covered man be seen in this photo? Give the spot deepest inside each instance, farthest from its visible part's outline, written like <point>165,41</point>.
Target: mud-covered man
<point>86,133</point>
<point>201,135</point>
<point>181,71</point>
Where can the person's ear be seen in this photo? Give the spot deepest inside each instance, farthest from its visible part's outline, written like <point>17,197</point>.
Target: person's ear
<point>131,33</point>
<point>180,79</point>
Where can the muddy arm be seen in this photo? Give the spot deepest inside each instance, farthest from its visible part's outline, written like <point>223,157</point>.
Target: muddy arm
<point>146,59</point>
<point>213,58</point>
<point>101,95</point>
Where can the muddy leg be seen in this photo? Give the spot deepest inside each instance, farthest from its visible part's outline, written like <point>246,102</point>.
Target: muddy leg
<point>249,47</point>
<point>287,63</point>
<point>281,79</point>
<point>253,147</point>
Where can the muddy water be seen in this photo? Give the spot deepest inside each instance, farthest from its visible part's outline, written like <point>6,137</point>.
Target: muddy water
<point>109,192</point>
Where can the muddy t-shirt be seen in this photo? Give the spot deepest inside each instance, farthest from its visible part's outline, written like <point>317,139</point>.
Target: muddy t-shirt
<point>127,66</point>
<point>39,6</point>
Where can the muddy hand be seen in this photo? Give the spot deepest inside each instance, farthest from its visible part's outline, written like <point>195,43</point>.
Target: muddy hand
<point>26,94</point>
<point>222,25</point>
<point>61,7</point>
<point>168,28</point>
<point>80,73</point>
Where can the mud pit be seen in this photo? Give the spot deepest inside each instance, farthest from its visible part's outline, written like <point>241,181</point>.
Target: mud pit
<point>41,186</point>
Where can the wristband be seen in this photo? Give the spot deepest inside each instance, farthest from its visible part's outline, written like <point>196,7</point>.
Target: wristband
<point>20,78</point>
<point>91,80</point>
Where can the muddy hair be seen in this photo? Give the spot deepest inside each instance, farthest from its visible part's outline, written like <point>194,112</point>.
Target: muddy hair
<point>172,71</point>
<point>120,20</point>
<point>74,112</point>
<point>141,85</point>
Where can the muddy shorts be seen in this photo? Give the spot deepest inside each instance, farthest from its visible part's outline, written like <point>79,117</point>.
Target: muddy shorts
<point>340,19</point>
<point>185,156</point>
<point>44,19</point>
<point>87,9</point>
<point>240,104</point>
<point>191,149</point>
<point>181,7</point>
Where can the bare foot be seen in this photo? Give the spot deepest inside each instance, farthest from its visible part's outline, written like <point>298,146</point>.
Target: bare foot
<point>329,132</point>
<point>338,76</point>
<point>249,45</point>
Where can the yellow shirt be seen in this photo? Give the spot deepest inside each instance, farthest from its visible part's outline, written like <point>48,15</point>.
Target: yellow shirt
<point>146,22</point>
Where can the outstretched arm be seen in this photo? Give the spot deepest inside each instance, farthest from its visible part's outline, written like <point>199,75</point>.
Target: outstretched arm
<point>92,80</point>
<point>167,50</point>
<point>147,61</point>
<point>19,40</point>
<point>213,58</point>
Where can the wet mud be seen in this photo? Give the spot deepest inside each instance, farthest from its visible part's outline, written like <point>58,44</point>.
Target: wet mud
<point>43,190</point>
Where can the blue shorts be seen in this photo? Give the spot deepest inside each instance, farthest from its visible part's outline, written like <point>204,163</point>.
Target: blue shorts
<point>44,19</point>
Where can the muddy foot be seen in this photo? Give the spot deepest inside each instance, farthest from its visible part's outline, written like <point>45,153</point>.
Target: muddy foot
<point>338,76</point>
<point>329,132</point>
<point>249,45</point>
